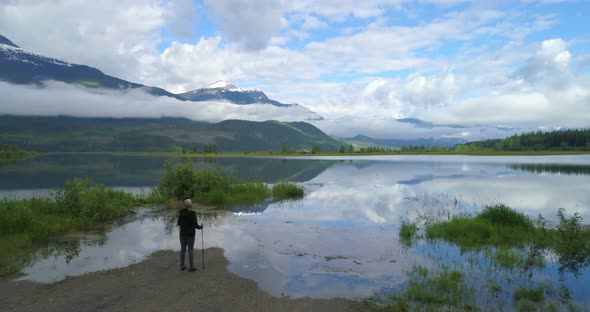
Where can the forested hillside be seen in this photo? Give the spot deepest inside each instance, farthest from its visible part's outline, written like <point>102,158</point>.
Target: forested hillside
<point>562,140</point>
<point>71,134</point>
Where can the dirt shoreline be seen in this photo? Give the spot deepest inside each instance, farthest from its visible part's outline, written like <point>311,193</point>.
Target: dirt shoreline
<point>156,284</point>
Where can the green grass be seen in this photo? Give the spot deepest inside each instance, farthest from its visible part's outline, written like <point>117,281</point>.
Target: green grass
<point>508,230</point>
<point>496,225</point>
<point>532,299</point>
<point>215,187</point>
<point>533,294</point>
<point>284,190</point>
<point>444,289</point>
<point>27,223</point>
<point>407,233</point>
<point>238,193</point>
<point>508,258</point>
<point>94,84</point>
<point>513,243</point>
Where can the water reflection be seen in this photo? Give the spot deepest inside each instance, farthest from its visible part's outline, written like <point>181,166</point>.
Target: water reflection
<point>51,171</point>
<point>342,240</point>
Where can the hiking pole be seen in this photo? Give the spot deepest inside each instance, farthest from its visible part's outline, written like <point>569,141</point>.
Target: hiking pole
<point>203,246</point>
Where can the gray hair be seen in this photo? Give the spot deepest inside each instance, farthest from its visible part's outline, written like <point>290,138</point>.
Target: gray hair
<point>188,202</point>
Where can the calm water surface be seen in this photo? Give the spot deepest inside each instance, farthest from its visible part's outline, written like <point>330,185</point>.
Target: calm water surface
<point>341,240</point>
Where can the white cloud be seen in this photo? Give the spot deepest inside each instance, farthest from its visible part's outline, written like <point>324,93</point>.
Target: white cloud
<point>549,65</point>
<point>381,70</point>
<point>183,68</point>
<point>183,17</point>
<point>113,35</point>
<point>63,99</point>
<point>312,22</point>
<point>251,24</point>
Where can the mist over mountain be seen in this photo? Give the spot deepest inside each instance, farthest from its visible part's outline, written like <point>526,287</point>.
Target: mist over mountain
<point>397,143</point>
<point>22,67</point>
<point>224,91</point>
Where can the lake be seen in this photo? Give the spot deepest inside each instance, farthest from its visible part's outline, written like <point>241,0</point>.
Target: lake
<point>342,239</point>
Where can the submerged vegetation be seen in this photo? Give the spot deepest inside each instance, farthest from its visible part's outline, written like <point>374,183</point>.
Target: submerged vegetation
<point>504,246</point>
<point>444,289</point>
<point>502,227</point>
<point>407,233</point>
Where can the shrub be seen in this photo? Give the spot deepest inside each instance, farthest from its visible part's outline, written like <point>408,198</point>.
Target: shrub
<point>496,225</point>
<point>285,190</point>
<point>503,215</point>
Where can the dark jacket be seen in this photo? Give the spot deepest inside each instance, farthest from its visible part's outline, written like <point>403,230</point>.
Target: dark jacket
<point>187,220</point>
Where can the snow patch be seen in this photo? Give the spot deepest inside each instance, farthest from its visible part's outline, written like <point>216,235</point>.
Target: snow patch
<point>19,54</point>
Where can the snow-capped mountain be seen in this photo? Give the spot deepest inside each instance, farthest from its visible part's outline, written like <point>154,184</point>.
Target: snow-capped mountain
<point>224,91</point>
<point>23,67</point>
<point>20,66</point>
<point>221,90</point>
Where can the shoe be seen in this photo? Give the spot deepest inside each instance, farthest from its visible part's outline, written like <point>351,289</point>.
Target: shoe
<point>182,267</point>
<point>192,269</point>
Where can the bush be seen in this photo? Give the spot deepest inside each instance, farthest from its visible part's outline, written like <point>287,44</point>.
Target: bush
<point>497,225</point>
<point>285,190</point>
<point>25,223</point>
<point>503,215</point>
<point>184,181</point>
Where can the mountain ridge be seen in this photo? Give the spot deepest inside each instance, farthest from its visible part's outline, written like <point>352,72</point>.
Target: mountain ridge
<point>20,66</point>
<point>76,134</point>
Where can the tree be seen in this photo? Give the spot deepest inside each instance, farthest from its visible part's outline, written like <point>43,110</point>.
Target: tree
<point>341,150</point>
<point>315,149</point>
<point>285,149</point>
<point>350,148</point>
<point>210,148</point>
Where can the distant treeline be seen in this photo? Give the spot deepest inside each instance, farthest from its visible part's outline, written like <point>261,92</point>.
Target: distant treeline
<point>563,140</point>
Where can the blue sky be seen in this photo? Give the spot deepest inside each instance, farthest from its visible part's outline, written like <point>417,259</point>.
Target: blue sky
<point>509,63</point>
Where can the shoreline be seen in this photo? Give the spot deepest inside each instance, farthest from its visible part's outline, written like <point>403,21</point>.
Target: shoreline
<point>156,284</point>
<point>287,155</point>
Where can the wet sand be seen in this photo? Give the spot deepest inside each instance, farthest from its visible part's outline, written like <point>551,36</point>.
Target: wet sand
<point>156,284</point>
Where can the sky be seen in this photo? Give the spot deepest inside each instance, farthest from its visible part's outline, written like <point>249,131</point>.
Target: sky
<point>472,68</point>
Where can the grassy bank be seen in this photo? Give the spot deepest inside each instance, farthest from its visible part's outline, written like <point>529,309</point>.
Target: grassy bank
<point>215,187</point>
<point>27,223</point>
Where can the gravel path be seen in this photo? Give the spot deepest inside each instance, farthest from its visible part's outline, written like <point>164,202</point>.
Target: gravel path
<point>156,284</point>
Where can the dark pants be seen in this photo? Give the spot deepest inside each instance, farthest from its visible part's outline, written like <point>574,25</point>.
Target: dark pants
<point>187,242</point>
